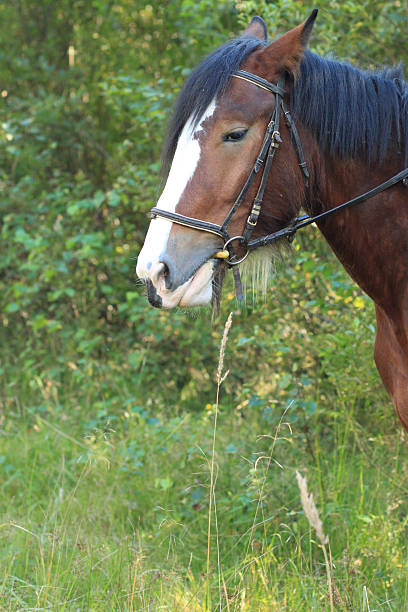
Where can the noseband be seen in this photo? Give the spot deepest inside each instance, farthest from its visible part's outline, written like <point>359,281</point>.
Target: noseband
<point>270,144</point>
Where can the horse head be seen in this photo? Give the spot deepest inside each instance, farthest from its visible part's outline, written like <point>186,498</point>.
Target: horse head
<point>222,128</point>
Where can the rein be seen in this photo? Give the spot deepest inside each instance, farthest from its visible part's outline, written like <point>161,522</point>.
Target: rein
<point>270,144</point>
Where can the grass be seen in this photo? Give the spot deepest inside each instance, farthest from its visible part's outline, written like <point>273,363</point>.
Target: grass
<point>79,531</point>
<point>116,517</point>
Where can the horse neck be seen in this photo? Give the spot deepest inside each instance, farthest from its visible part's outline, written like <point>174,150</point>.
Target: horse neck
<point>360,236</point>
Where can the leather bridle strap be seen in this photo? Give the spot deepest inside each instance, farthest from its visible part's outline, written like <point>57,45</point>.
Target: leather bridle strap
<point>298,148</point>
<point>205,226</point>
<point>274,144</point>
<point>269,145</point>
<point>265,157</point>
<point>262,83</point>
<point>290,231</point>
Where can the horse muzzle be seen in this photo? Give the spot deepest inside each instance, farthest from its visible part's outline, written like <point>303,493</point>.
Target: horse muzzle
<point>162,292</point>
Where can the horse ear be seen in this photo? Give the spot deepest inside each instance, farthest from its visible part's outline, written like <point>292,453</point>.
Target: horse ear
<point>256,29</point>
<point>286,52</point>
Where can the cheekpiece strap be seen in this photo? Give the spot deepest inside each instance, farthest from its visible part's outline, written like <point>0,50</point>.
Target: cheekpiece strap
<point>274,139</point>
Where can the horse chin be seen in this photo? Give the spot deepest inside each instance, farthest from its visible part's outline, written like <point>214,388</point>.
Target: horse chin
<point>197,291</point>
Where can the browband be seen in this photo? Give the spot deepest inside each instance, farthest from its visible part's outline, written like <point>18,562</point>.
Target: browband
<point>259,81</point>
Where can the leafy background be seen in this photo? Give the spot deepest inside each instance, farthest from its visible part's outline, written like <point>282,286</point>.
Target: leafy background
<point>106,405</point>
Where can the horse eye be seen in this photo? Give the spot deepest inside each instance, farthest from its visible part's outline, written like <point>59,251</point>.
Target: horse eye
<point>234,136</point>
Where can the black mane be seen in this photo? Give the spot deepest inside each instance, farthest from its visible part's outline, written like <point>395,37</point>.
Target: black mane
<point>351,112</point>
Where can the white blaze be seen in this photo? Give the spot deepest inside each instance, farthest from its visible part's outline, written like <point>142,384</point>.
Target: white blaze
<point>182,170</point>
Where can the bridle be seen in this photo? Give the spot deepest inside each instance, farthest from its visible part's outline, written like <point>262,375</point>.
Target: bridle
<point>270,144</point>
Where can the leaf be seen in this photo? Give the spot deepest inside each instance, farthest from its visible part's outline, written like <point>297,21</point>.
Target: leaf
<point>163,483</point>
<point>359,302</point>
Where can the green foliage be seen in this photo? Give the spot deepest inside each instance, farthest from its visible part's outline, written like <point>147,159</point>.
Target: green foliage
<point>368,33</point>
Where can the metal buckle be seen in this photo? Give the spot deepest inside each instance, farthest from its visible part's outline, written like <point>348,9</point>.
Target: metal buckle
<point>238,261</point>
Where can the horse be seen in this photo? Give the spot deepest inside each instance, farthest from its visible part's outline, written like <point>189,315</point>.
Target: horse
<point>261,130</point>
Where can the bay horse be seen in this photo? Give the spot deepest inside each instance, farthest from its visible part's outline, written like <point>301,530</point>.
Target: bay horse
<point>342,135</point>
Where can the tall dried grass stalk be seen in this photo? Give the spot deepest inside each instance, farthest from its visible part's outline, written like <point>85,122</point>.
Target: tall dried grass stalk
<point>366,603</point>
<point>227,327</point>
<point>220,377</point>
<point>312,515</point>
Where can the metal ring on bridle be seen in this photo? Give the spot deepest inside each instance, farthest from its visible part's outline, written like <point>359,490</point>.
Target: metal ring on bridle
<point>238,261</point>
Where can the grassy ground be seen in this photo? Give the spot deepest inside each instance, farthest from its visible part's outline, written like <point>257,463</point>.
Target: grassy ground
<point>105,463</point>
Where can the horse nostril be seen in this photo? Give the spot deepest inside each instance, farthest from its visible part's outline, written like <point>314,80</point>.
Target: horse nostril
<point>166,275</point>
<point>166,272</point>
<point>163,273</point>
<point>156,273</point>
